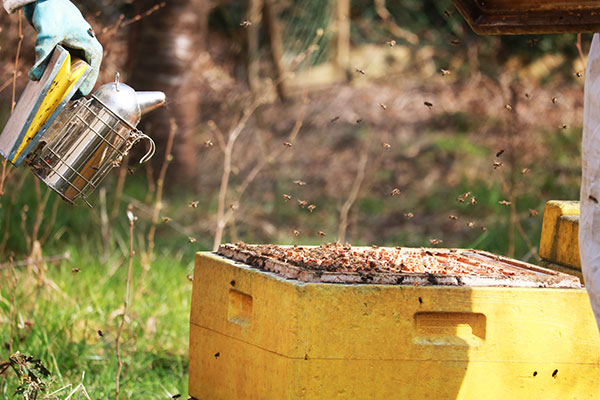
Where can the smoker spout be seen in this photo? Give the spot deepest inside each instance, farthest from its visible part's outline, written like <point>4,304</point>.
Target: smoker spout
<point>149,101</point>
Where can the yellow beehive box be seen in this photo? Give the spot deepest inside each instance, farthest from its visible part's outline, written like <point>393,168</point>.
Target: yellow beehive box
<point>559,243</point>
<point>255,335</point>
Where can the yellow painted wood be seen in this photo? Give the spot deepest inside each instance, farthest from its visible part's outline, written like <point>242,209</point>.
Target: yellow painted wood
<point>559,243</point>
<point>67,77</point>
<point>256,336</point>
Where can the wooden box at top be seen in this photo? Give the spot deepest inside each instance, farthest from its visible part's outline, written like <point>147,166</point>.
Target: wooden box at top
<point>500,17</point>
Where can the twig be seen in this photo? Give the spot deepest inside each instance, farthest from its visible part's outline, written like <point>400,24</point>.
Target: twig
<point>264,162</point>
<point>29,261</point>
<point>14,92</point>
<point>233,136</point>
<point>358,180</point>
<point>515,218</point>
<point>119,190</point>
<point>159,191</point>
<point>391,26</point>
<point>132,219</point>
<point>580,51</point>
<point>145,14</point>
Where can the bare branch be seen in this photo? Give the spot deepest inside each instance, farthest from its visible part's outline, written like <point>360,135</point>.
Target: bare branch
<point>352,196</point>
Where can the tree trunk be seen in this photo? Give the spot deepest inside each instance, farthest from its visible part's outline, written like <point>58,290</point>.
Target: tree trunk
<point>166,52</point>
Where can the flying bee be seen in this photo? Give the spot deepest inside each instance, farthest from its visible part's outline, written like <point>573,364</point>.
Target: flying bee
<point>383,106</point>
<point>455,42</point>
<point>391,43</point>
<point>287,144</point>
<point>166,219</point>
<point>409,215</point>
<point>447,13</point>
<point>245,23</point>
<point>75,270</point>
<point>360,71</point>
<point>193,204</point>
<point>445,72</point>
<point>395,192</point>
<point>578,74</point>
<point>321,233</point>
<point>192,239</point>
<point>435,242</point>
<point>472,201</point>
<point>465,195</point>
<point>505,202</point>
<point>428,104</point>
<point>208,143</point>
<point>533,41</point>
<point>296,232</point>
<point>460,199</point>
<point>483,229</point>
<point>470,224</point>
<point>497,164</point>
<point>508,107</point>
<point>130,171</point>
<point>311,207</point>
<point>302,203</point>
<point>358,121</point>
<point>524,171</point>
<point>533,212</point>
<point>334,120</point>
<point>286,197</point>
<point>528,96</point>
<point>189,278</point>
<point>453,217</point>
<point>300,183</point>
<point>564,126</point>
<point>554,100</point>
<point>498,154</point>
<point>100,333</point>
<point>386,146</point>
<point>234,206</point>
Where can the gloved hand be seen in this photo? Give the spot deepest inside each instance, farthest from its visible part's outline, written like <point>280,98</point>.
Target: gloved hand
<point>61,22</point>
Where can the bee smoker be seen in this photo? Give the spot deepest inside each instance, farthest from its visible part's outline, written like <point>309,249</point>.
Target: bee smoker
<point>90,137</point>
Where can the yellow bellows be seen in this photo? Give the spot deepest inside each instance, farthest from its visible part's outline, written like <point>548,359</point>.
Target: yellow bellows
<point>69,74</point>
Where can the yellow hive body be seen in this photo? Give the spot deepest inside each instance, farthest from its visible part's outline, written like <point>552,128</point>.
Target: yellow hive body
<point>255,335</point>
<point>559,244</point>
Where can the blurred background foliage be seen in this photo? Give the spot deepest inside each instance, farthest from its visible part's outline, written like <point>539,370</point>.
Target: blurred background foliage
<point>301,69</point>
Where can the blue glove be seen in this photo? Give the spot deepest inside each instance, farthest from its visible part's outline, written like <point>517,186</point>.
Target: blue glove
<point>61,22</point>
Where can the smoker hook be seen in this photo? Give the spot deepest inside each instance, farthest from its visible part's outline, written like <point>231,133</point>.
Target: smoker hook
<point>152,149</point>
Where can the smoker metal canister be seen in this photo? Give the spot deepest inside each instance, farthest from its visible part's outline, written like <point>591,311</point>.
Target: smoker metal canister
<point>90,137</point>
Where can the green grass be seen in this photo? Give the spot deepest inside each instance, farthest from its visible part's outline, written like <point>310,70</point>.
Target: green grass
<point>65,311</point>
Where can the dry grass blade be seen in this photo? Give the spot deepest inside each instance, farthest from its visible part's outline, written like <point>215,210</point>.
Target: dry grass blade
<point>132,220</point>
<point>159,194</point>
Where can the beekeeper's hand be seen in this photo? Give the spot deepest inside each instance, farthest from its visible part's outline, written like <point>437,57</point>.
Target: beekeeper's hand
<point>61,22</point>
